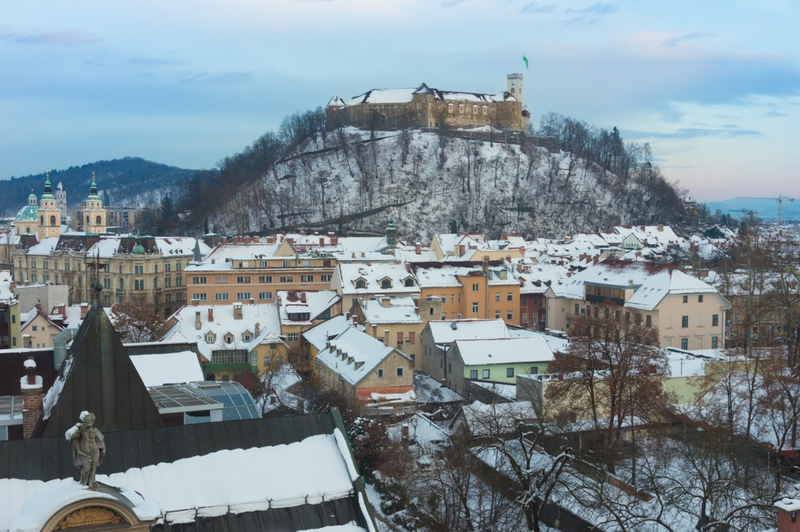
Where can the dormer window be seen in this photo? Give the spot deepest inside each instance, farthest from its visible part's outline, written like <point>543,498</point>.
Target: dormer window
<point>229,338</point>
<point>210,337</point>
<point>386,282</point>
<point>408,282</point>
<point>361,283</point>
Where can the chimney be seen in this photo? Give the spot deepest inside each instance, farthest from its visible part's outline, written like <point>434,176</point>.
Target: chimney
<point>197,324</point>
<point>788,515</point>
<point>346,316</point>
<point>252,301</point>
<point>210,314</point>
<point>255,240</point>
<point>519,267</point>
<point>292,296</point>
<point>418,248</point>
<point>31,385</point>
<point>334,239</point>
<point>247,240</point>
<point>486,264</point>
<point>270,240</point>
<point>258,329</point>
<point>508,258</point>
<point>224,239</point>
<point>363,254</point>
<point>84,310</point>
<point>386,302</point>
<point>595,259</point>
<point>302,297</point>
<point>237,311</point>
<point>660,228</point>
<point>322,241</point>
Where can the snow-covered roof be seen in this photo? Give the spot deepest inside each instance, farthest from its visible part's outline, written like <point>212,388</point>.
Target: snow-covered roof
<point>521,350</point>
<point>292,303</point>
<point>373,275</point>
<point>223,255</point>
<point>383,96</point>
<point>318,468</point>
<point>391,310</point>
<point>319,334</point>
<point>448,331</point>
<point>360,354</point>
<point>223,323</point>
<point>6,280</point>
<point>180,245</point>
<point>168,368</point>
<point>499,418</point>
<point>44,247</point>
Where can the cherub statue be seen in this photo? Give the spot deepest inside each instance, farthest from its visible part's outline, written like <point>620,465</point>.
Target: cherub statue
<point>88,449</point>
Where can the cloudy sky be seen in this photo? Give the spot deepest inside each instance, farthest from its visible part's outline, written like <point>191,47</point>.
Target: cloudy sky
<point>713,85</point>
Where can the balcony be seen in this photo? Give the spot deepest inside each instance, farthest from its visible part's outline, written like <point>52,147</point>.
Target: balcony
<point>600,299</point>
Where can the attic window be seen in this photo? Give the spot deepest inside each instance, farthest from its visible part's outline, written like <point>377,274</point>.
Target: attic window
<point>247,338</point>
<point>229,338</point>
<point>361,283</point>
<point>386,283</point>
<point>409,282</point>
<point>210,338</point>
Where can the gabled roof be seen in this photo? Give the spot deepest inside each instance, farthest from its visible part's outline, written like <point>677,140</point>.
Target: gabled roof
<point>97,376</point>
<point>329,329</point>
<point>448,331</point>
<point>520,350</point>
<point>361,353</point>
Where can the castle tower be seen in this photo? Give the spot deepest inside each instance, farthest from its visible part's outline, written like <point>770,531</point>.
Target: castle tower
<point>94,215</point>
<point>514,84</point>
<point>49,216</point>
<point>61,202</point>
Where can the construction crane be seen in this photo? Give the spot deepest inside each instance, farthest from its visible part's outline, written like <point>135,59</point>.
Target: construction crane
<point>780,199</point>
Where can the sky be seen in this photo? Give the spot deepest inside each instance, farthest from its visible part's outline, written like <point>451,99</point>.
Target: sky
<point>712,85</point>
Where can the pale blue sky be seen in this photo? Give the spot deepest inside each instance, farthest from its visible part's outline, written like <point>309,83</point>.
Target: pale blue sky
<point>713,85</point>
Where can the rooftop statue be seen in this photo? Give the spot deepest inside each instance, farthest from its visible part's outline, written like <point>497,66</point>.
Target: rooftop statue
<point>88,449</point>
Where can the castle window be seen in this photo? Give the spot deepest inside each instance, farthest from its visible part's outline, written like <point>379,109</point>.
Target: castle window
<point>97,220</point>
<point>52,220</point>
<point>87,220</point>
<point>485,109</point>
<point>474,109</point>
<point>512,90</point>
<point>450,108</point>
<point>461,108</point>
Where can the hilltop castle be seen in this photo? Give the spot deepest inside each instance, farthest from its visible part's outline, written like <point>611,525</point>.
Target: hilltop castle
<point>429,107</point>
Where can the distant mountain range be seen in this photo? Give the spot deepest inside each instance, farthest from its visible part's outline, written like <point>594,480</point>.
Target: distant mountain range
<point>767,209</point>
<point>126,181</point>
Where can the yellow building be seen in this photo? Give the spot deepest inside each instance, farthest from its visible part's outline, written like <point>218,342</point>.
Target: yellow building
<point>300,311</point>
<point>471,291</point>
<point>394,321</point>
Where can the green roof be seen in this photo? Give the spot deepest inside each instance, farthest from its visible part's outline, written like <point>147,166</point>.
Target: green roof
<point>29,213</point>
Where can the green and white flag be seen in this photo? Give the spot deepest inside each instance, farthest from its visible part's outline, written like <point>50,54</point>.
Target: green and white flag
<point>526,61</point>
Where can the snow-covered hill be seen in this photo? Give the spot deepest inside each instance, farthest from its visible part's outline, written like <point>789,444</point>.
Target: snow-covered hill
<point>429,182</point>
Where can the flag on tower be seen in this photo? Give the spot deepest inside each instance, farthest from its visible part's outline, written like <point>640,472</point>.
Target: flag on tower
<point>526,61</point>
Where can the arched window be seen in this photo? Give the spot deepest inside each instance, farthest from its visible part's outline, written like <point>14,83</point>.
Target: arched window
<point>409,282</point>
<point>41,220</point>
<point>52,220</point>
<point>28,230</point>
<point>361,283</point>
<point>386,283</point>
<point>97,220</point>
<point>87,220</point>
<point>121,283</point>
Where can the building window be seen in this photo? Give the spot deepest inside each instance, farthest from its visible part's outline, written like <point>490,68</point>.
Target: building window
<point>473,374</point>
<point>399,372</point>
<point>265,296</point>
<point>714,342</point>
<point>486,374</point>
<point>648,321</point>
<point>475,308</point>
<point>325,277</point>
<point>200,297</point>
<point>139,270</point>
<point>210,338</point>
<point>243,279</point>
<point>243,296</point>
<point>685,299</point>
<point>715,320</point>
<point>380,373</point>
<point>700,298</point>
<point>306,278</point>
<point>497,296</point>
<point>399,339</point>
<point>485,110</point>
<point>509,372</point>
<point>534,370</point>
<point>461,108</point>
<point>684,343</point>
<point>449,367</point>
<point>412,338</point>
<point>684,321</point>
<point>197,280</point>
<point>264,278</point>
<point>386,283</point>
<point>361,283</point>
<point>475,287</point>
<point>510,315</point>
<point>286,279</point>
<point>497,314</point>
<point>510,296</point>
<point>409,282</point>
<point>221,297</point>
<point>138,284</point>
<point>293,337</point>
